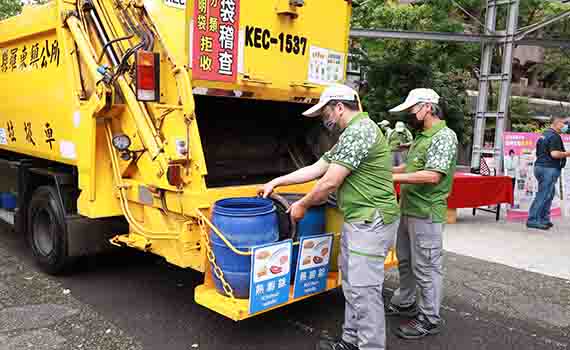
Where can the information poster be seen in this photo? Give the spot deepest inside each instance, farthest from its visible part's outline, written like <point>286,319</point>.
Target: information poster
<point>325,66</point>
<point>312,265</point>
<point>215,40</point>
<point>271,276</point>
<point>519,159</point>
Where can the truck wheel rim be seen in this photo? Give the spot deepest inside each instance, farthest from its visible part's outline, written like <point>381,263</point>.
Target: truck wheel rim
<point>43,233</point>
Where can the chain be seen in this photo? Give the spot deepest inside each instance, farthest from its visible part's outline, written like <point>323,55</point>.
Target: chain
<point>212,258</point>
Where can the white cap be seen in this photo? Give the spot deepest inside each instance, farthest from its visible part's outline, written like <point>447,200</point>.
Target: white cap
<point>384,123</point>
<point>417,96</point>
<point>400,126</point>
<point>332,92</point>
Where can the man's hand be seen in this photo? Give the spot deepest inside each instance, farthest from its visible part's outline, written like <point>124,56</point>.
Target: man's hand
<point>297,211</point>
<point>399,169</point>
<point>266,190</point>
<point>303,175</point>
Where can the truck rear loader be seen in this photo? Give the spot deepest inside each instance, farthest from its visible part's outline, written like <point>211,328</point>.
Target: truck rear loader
<point>123,121</point>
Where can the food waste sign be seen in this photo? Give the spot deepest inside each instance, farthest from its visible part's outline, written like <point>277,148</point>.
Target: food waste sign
<point>215,40</point>
<point>271,276</point>
<point>312,265</point>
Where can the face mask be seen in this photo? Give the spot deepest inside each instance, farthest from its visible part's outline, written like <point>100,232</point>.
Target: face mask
<point>565,128</point>
<point>414,122</point>
<point>330,124</point>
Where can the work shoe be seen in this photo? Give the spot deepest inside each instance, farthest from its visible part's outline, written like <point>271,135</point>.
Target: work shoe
<point>549,224</point>
<point>396,310</point>
<point>336,345</point>
<point>537,226</point>
<point>418,328</point>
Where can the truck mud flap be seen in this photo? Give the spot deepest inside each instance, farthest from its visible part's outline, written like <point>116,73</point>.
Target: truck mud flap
<point>91,236</point>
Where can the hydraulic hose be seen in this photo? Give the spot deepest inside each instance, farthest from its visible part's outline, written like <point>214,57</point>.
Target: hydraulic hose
<point>149,234</point>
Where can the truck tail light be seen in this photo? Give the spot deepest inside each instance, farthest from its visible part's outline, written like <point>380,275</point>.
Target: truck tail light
<point>174,175</point>
<point>148,76</point>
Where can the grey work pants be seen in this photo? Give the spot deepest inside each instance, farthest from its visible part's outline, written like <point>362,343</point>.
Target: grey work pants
<point>419,250</point>
<point>364,247</point>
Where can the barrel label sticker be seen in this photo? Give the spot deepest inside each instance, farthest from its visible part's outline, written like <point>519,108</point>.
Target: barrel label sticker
<point>270,276</point>
<point>312,265</point>
<point>3,139</point>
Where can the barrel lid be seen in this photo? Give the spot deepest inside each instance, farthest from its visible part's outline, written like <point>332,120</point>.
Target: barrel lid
<point>244,206</point>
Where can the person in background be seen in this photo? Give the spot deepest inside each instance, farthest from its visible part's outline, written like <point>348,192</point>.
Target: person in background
<point>385,127</point>
<point>550,159</point>
<point>400,140</point>
<point>512,165</point>
<point>359,168</point>
<point>426,180</point>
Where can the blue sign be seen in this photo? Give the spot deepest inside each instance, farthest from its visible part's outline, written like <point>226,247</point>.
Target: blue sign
<point>270,276</point>
<point>312,265</point>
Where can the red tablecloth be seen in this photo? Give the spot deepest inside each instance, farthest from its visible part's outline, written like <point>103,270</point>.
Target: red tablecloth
<point>472,191</point>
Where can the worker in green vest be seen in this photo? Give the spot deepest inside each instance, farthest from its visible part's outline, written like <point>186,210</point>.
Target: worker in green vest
<point>400,140</point>
<point>359,169</point>
<point>385,127</point>
<point>426,181</point>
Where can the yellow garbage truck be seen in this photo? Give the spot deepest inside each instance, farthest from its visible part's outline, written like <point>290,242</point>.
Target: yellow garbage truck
<point>122,122</point>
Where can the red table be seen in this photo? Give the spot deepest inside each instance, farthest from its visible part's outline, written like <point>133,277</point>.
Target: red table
<point>474,191</point>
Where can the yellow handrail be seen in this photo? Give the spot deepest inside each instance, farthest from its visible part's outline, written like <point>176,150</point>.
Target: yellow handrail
<point>221,235</point>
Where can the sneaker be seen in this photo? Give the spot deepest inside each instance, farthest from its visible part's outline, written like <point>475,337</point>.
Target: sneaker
<point>396,310</point>
<point>336,345</point>
<point>418,328</point>
<point>537,226</point>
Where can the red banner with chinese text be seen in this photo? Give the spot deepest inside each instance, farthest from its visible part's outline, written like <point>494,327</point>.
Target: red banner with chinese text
<point>215,40</point>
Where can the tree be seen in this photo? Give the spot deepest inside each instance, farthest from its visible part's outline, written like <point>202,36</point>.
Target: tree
<point>396,66</point>
<point>9,8</point>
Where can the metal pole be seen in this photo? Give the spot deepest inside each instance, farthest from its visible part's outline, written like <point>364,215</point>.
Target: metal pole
<point>506,86</point>
<point>483,98</point>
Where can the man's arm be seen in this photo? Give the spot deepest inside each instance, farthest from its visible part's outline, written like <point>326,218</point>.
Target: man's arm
<point>440,156</point>
<point>418,177</point>
<point>306,174</point>
<point>351,149</point>
<point>555,147</point>
<point>334,177</point>
<point>329,183</point>
<point>559,154</point>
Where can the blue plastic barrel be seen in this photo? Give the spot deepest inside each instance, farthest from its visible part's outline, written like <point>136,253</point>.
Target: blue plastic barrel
<point>312,224</point>
<point>245,222</point>
<point>7,200</point>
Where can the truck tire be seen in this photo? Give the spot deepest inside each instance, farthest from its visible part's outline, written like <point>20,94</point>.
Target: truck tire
<point>46,231</point>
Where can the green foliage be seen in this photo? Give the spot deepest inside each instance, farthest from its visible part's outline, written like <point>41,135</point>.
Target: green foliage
<point>397,66</point>
<point>9,8</point>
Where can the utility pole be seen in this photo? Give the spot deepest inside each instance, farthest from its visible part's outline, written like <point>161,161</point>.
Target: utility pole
<point>486,76</point>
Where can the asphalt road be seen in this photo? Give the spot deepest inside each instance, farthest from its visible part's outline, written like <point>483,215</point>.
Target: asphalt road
<point>151,303</point>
